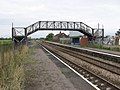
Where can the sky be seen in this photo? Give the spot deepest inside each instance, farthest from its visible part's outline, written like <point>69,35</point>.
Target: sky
<point>26,12</point>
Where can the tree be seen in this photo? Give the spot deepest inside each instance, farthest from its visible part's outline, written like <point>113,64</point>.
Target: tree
<point>118,33</point>
<point>49,37</point>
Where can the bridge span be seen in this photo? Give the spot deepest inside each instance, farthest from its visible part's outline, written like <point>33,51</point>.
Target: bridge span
<point>19,34</point>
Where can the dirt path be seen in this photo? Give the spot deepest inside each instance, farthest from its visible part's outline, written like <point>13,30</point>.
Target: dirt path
<point>43,74</point>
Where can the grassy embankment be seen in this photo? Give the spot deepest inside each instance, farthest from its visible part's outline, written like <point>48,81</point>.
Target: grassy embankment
<point>11,66</point>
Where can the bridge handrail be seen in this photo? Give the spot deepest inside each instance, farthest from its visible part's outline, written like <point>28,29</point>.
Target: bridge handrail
<point>60,21</point>
<point>70,25</point>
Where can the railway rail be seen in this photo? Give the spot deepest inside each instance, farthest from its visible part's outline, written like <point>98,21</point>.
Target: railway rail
<point>97,80</point>
<point>95,61</point>
<point>104,55</point>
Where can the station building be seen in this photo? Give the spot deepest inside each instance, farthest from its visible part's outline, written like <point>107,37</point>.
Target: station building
<point>61,38</point>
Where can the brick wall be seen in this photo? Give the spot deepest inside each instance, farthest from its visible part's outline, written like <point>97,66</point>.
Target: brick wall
<point>84,41</point>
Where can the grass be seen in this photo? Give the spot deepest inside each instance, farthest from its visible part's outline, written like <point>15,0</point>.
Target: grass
<point>5,42</point>
<point>105,47</point>
<point>11,67</point>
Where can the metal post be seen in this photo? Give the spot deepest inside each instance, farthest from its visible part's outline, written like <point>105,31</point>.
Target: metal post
<point>61,25</point>
<point>39,24</point>
<point>46,24</point>
<point>74,25</point>
<point>54,24</point>
<point>26,41</point>
<point>102,35</point>
<point>80,25</point>
<point>12,31</point>
<point>93,32</point>
<point>13,41</point>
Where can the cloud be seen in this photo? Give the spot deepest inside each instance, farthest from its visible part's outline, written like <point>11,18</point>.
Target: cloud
<point>21,7</point>
<point>25,12</point>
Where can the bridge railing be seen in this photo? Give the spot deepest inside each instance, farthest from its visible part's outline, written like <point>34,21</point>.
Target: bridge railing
<point>18,31</point>
<point>59,25</point>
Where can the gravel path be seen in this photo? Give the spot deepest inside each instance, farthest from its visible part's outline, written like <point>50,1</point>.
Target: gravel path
<point>43,74</point>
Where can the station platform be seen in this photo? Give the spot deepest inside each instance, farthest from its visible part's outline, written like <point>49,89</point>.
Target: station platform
<point>43,74</point>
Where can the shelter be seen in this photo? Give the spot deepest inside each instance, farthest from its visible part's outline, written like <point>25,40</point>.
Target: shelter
<point>75,37</point>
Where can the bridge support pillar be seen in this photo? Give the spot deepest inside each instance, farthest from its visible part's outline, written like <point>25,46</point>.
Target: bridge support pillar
<point>102,35</point>
<point>26,39</point>
<point>19,36</point>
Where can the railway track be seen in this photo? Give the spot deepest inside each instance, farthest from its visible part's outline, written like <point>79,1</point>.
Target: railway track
<point>95,79</point>
<point>103,55</point>
<point>92,60</point>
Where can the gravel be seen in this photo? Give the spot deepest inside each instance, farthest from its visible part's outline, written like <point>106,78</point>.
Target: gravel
<point>43,74</point>
<point>99,71</point>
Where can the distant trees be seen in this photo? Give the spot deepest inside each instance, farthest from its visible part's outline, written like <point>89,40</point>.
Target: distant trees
<point>118,33</point>
<point>5,38</point>
<point>49,37</point>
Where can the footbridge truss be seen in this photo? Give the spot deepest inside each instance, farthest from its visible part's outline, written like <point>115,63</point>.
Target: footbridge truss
<point>19,34</point>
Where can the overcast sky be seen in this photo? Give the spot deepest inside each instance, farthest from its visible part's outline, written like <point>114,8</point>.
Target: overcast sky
<point>91,12</point>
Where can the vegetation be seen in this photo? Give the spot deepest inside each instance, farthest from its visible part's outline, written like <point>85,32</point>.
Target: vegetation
<point>6,41</point>
<point>99,46</point>
<point>11,67</point>
<point>118,33</point>
<point>5,38</point>
<point>49,37</point>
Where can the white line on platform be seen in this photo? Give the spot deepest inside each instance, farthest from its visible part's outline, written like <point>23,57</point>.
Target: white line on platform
<point>72,69</point>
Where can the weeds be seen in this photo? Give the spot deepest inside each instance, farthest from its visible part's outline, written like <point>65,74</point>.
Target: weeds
<point>99,46</point>
<point>11,67</point>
